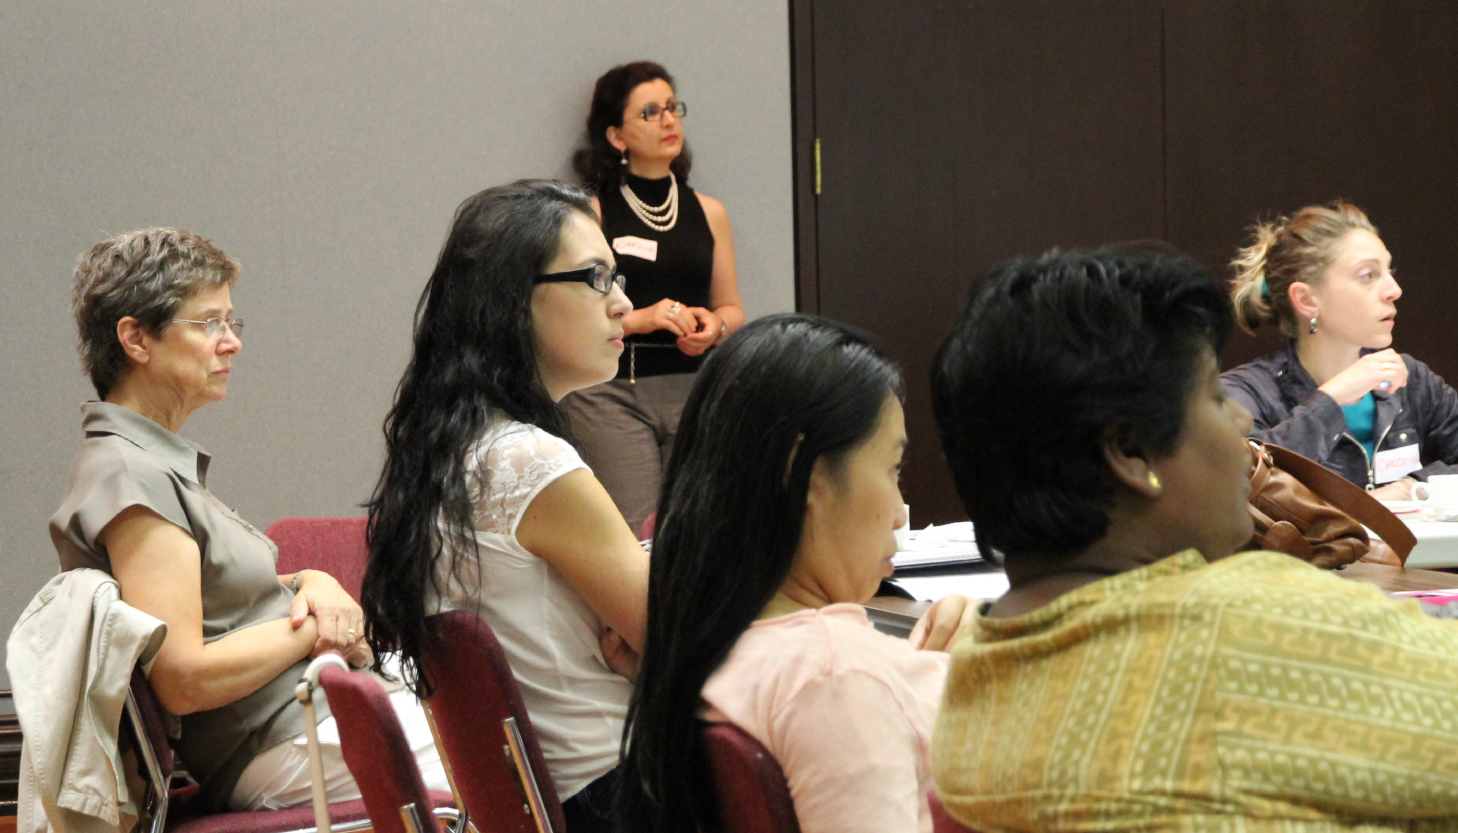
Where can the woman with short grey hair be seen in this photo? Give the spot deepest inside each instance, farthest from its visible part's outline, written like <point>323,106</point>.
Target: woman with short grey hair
<point>158,338</point>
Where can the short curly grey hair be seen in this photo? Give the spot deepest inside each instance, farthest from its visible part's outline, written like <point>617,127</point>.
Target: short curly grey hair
<point>147,275</point>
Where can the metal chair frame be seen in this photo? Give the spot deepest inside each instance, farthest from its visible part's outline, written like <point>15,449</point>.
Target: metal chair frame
<point>155,804</point>
<point>526,780</point>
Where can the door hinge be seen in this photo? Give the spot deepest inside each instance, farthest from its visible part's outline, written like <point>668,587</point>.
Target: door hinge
<point>817,167</point>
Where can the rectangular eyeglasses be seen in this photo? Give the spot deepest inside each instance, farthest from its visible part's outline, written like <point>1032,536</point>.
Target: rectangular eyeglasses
<point>599,276</point>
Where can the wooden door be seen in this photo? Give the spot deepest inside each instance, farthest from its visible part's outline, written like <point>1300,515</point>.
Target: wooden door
<point>955,135</point>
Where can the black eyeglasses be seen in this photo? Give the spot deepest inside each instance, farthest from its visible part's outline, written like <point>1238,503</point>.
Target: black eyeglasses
<point>599,276</point>
<point>653,111</point>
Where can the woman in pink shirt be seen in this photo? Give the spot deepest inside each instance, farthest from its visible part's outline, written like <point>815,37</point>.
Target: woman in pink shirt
<point>775,522</point>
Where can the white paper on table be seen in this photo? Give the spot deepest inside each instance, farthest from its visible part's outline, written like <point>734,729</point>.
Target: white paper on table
<point>939,545</point>
<point>935,537</point>
<point>971,585</point>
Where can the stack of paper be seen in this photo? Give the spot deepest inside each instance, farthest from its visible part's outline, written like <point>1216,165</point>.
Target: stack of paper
<point>938,545</point>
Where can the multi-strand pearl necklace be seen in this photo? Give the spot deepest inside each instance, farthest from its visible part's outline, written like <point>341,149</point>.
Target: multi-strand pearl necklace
<point>657,217</point>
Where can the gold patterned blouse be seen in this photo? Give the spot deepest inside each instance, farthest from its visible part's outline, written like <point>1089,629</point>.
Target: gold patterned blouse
<point>1253,694</point>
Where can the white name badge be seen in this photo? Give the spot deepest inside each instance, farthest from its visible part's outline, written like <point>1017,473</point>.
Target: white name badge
<point>637,247</point>
<point>1393,463</point>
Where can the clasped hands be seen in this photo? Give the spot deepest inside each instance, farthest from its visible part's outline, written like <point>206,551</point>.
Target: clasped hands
<point>697,328</point>
<point>338,618</point>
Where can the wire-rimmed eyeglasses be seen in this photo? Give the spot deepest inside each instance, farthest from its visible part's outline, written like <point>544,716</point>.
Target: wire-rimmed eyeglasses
<point>213,327</point>
<point>599,276</point>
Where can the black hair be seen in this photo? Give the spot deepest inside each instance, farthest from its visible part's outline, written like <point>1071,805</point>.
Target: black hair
<point>474,358</point>
<point>600,164</point>
<point>777,395</point>
<point>1050,357</point>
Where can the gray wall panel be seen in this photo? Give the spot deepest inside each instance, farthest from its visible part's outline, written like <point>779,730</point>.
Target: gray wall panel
<point>325,146</point>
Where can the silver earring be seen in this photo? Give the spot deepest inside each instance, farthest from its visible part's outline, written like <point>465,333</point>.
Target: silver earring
<point>1313,325</point>
<point>625,158</point>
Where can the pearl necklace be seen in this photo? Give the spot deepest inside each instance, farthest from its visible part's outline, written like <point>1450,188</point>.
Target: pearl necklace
<point>657,217</point>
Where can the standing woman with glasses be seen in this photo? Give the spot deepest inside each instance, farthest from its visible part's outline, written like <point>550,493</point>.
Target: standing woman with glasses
<point>484,505</point>
<point>676,249</point>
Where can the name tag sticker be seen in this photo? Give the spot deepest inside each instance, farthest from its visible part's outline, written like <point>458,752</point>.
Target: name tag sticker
<point>1393,463</point>
<point>637,247</point>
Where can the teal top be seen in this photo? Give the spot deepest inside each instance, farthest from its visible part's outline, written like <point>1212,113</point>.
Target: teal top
<point>1360,418</point>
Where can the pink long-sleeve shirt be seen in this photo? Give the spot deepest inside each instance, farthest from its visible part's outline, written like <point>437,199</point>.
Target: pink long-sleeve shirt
<point>845,709</point>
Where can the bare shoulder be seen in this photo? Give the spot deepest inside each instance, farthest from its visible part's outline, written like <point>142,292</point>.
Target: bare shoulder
<point>712,208</point>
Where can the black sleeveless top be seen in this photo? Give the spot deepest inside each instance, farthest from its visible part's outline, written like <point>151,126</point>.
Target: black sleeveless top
<point>682,269</point>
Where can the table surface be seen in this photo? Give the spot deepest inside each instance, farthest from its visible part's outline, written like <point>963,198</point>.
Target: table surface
<point>898,614</point>
<point>1437,543</point>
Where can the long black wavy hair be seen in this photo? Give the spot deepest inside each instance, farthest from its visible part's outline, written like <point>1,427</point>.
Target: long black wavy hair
<point>600,164</point>
<point>779,394</point>
<point>474,358</point>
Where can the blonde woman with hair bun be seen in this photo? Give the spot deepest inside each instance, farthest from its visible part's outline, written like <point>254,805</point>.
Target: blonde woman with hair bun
<point>1337,392</point>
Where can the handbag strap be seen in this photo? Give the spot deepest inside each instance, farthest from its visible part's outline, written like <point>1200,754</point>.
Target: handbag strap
<point>1348,497</point>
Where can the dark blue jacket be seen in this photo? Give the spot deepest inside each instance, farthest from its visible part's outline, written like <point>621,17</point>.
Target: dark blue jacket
<point>1289,411</point>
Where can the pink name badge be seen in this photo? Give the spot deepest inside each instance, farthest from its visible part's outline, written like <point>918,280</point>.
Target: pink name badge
<point>1393,463</point>
<point>637,247</point>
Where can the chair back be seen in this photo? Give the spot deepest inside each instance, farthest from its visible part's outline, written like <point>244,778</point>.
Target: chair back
<point>481,716</point>
<point>149,731</point>
<point>752,792</point>
<point>648,527</point>
<point>377,753</point>
<point>334,545</point>
<point>173,812</point>
<point>942,821</point>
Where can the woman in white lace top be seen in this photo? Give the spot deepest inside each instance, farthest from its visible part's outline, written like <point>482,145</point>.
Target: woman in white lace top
<point>484,504</point>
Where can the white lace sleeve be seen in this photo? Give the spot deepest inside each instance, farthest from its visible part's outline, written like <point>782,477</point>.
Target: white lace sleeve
<point>508,467</point>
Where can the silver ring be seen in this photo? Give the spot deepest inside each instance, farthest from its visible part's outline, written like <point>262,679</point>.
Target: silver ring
<point>350,632</point>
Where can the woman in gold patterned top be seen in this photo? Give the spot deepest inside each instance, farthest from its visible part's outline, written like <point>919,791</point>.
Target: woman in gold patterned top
<point>1138,675</point>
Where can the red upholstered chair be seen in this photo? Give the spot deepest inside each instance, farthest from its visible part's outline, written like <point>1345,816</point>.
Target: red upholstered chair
<point>498,765</point>
<point>168,808</point>
<point>334,545</point>
<point>754,796</point>
<point>379,756</point>
<point>942,821</point>
<point>648,527</point>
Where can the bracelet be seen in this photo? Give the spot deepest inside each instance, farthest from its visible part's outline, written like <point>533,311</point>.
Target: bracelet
<point>294,585</point>
<point>723,327</point>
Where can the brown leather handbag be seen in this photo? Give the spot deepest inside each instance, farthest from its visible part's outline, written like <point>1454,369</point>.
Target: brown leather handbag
<point>1302,508</point>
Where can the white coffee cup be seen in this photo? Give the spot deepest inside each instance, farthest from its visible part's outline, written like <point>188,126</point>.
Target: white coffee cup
<point>903,532</point>
<point>1440,490</point>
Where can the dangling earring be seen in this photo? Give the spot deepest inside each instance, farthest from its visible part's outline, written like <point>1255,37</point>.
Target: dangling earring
<point>1313,325</point>
<point>1154,480</point>
<point>624,160</point>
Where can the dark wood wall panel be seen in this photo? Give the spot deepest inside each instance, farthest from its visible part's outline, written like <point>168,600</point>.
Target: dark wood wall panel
<point>954,135</point>
<point>957,133</point>
<point>887,220</point>
<point>1277,105</point>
